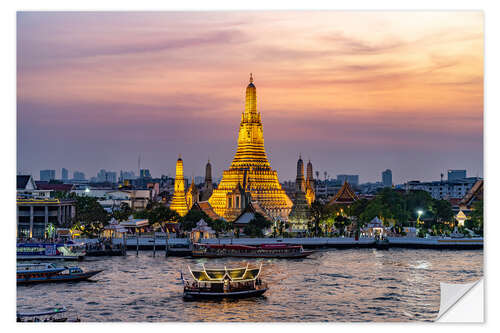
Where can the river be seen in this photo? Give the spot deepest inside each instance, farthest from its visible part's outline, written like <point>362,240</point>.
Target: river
<point>348,285</point>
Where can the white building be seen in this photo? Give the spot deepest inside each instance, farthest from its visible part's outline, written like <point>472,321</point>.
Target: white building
<point>443,190</point>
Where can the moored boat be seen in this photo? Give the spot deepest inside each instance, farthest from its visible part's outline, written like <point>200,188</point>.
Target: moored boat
<point>50,251</point>
<point>284,251</point>
<point>54,315</point>
<point>217,283</point>
<point>48,272</point>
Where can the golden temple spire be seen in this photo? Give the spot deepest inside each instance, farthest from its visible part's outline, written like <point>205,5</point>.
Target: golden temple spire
<point>251,78</point>
<point>179,199</point>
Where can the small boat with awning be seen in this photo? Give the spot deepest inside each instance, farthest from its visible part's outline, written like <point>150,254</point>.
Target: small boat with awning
<point>217,283</point>
<point>48,272</point>
<point>280,251</point>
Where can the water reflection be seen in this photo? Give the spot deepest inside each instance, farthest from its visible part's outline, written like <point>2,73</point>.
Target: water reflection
<point>334,285</point>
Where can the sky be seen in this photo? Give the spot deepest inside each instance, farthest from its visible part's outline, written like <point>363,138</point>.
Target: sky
<point>354,92</point>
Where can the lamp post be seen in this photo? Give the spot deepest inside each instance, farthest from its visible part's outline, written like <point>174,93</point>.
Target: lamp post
<point>419,212</point>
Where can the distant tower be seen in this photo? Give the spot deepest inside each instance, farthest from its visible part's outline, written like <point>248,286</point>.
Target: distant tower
<point>387,178</point>
<point>179,200</point>
<point>310,191</point>
<point>208,187</point>
<point>300,213</point>
<point>300,184</point>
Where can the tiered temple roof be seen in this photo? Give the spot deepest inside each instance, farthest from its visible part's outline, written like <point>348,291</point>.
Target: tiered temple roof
<point>261,182</point>
<point>475,193</point>
<point>345,195</point>
<point>179,200</point>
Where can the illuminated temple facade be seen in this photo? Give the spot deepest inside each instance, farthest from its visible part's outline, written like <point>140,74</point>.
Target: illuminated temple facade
<point>250,177</point>
<point>178,202</point>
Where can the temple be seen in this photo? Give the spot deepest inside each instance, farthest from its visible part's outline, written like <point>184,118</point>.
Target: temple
<point>208,187</point>
<point>178,202</point>
<point>300,214</point>
<point>310,191</point>
<point>250,177</point>
<point>345,196</point>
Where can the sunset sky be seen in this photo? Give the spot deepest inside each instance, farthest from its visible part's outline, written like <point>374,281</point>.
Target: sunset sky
<point>355,92</point>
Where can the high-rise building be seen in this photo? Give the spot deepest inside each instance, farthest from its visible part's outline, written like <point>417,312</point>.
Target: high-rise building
<point>250,171</point>
<point>64,174</point>
<point>351,179</point>
<point>456,175</point>
<point>144,173</point>
<point>387,178</point>
<point>101,176</point>
<point>179,199</point>
<point>47,175</point>
<point>77,175</point>
<point>110,176</point>
<point>126,175</point>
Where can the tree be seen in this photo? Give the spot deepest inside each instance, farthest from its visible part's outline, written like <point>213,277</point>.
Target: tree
<point>91,217</point>
<point>189,221</point>
<point>219,226</point>
<point>320,213</point>
<point>442,211</point>
<point>122,213</point>
<point>341,222</point>
<point>257,225</point>
<point>158,215</point>
<point>475,222</point>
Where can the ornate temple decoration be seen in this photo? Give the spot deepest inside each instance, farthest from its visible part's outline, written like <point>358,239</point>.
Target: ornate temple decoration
<point>344,196</point>
<point>310,189</point>
<point>259,181</point>
<point>179,200</point>
<point>208,187</point>
<point>192,195</point>
<point>300,214</point>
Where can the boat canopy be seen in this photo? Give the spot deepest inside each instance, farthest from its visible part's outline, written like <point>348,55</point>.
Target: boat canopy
<point>218,275</point>
<point>41,313</point>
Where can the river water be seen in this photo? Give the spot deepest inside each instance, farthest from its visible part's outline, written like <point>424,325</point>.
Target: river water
<point>333,285</point>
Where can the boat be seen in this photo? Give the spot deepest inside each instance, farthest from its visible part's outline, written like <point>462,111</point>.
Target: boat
<point>48,272</point>
<point>55,315</point>
<point>220,283</point>
<point>50,251</point>
<point>284,251</point>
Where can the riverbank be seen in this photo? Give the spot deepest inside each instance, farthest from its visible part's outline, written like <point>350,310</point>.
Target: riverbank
<point>180,244</point>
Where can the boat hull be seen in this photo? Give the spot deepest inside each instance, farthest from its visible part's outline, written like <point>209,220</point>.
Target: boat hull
<point>58,278</point>
<point>193,295</point>
<point>254,255</point>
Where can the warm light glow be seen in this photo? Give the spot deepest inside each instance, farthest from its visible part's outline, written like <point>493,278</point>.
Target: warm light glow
<point>250,161</point>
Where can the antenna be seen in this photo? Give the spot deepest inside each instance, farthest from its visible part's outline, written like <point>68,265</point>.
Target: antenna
<point>139,166</point>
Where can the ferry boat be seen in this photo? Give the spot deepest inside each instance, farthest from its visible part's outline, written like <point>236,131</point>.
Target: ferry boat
<point>284,251</point>
<point>218,283</point>
<point>48,272</point>
<point>50,251</point>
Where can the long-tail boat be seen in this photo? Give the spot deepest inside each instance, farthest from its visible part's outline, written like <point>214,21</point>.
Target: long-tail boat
<point>217,283</point>
<point>48,272</point>
<point>284,251</point>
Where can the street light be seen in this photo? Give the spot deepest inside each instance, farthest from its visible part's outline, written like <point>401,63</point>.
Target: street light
<point>419,212</point>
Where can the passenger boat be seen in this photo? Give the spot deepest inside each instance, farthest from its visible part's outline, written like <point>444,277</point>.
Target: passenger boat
<point>50,251</point>
<point>55,315</point>
<point>218,283</point>
<point>285,251</point>
<point>48,272</point>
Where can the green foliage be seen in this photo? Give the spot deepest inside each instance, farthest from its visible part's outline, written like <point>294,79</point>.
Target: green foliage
<point>256,226</point>
<point>189,220</point>
<point>321,214</point>
<point>123,213</point>
<point>91,217</point>
<point>341,222</point>
<point>219,226</point>
<point>475,222</point>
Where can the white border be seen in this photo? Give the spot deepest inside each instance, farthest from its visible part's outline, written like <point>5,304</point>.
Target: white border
<point>8,132</point>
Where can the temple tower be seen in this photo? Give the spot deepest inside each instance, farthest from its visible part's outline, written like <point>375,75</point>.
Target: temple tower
<point>262,182</point>
<point>310,190</point>
<point>192,194</point>
<point>300,214</point>
<point>208,187</point>
<point>179,200</point>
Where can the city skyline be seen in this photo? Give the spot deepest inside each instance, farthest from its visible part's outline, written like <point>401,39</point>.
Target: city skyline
<point>158,84</point>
